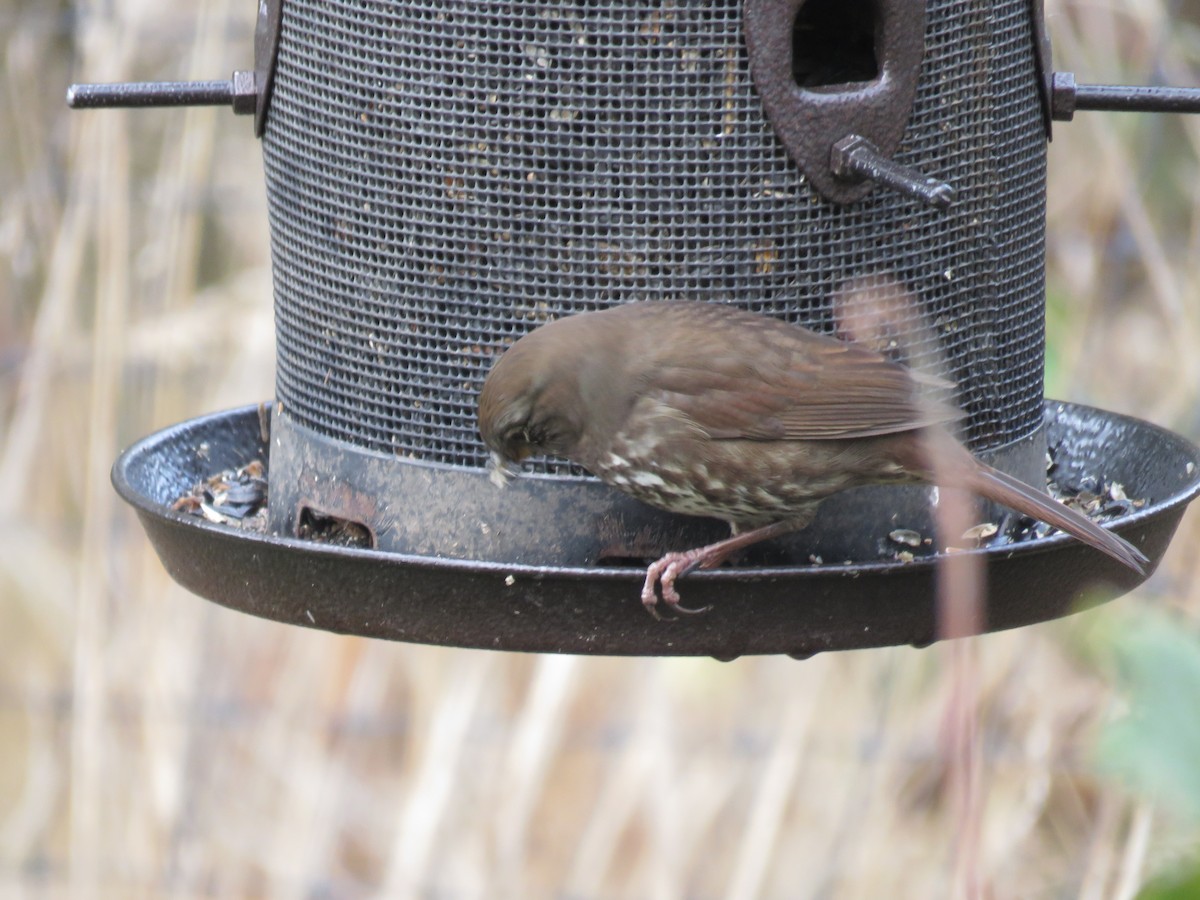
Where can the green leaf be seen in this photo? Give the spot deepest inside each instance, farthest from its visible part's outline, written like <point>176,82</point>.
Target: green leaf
<point>1183,885</point>
<point>1154,748</point>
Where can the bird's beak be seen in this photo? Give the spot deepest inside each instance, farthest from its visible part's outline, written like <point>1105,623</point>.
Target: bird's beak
<point>501,469</point>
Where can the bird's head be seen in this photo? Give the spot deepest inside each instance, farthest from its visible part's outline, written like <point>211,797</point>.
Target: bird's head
<point>526,407</point>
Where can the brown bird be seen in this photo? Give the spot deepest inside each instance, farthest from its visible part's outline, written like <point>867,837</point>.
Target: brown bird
<point>708,410</point>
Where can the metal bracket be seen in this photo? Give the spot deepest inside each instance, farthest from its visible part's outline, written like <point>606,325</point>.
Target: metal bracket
<point>246,92</point>
<point>812,118</point>
<point>1044,65</point>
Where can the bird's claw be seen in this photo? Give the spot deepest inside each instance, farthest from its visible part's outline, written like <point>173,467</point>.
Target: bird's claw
<point>661,576</point>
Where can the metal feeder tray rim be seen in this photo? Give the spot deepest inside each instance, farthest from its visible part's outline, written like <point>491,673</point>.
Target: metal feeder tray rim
<point>489,604</point>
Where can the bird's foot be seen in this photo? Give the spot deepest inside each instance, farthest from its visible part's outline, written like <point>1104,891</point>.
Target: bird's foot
<point>661,575</point>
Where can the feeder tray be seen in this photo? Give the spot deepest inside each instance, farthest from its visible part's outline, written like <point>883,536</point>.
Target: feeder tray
<point>794,609</point>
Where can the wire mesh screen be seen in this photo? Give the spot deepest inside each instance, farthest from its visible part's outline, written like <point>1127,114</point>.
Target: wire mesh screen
<point>444,176</point>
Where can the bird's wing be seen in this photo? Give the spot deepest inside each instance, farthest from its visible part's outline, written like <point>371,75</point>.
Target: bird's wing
<point>767,382</point>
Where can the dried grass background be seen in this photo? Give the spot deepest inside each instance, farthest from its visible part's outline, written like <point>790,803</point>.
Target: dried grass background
<point>155,745</point>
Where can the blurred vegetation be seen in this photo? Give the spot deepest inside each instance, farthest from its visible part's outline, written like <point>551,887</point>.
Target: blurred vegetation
<point>1154,746</point>
<point>1150,743</point>
<point>153,744</point>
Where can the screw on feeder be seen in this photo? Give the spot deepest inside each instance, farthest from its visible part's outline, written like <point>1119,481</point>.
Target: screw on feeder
<point>856,158</point>
<point>1066,97</point>
<point>240,92</point>
<point>247,92</point>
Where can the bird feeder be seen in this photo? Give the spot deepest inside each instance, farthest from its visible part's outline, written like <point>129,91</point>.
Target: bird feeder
<point>444,177</point>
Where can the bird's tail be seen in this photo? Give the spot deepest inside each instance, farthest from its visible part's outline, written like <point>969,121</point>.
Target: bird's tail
<point>944,460</point>
<point>995,485</point>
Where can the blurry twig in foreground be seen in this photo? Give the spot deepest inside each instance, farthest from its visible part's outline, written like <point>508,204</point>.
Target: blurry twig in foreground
<point>880,313</point>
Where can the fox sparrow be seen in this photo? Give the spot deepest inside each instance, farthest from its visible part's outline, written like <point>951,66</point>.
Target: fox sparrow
<point>708,410</point>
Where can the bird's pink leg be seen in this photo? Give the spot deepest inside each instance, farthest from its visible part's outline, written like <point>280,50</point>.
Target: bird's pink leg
<point>663,573</point>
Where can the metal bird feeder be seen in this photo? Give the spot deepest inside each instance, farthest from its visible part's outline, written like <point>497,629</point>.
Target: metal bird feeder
<point>443,177</point>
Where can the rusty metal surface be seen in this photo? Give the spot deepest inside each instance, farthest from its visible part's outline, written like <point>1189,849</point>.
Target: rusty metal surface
<point>810,119</point>
<point>572,609</point>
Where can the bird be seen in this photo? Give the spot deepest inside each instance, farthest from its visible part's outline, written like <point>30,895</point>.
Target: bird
<point>706,409</point>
